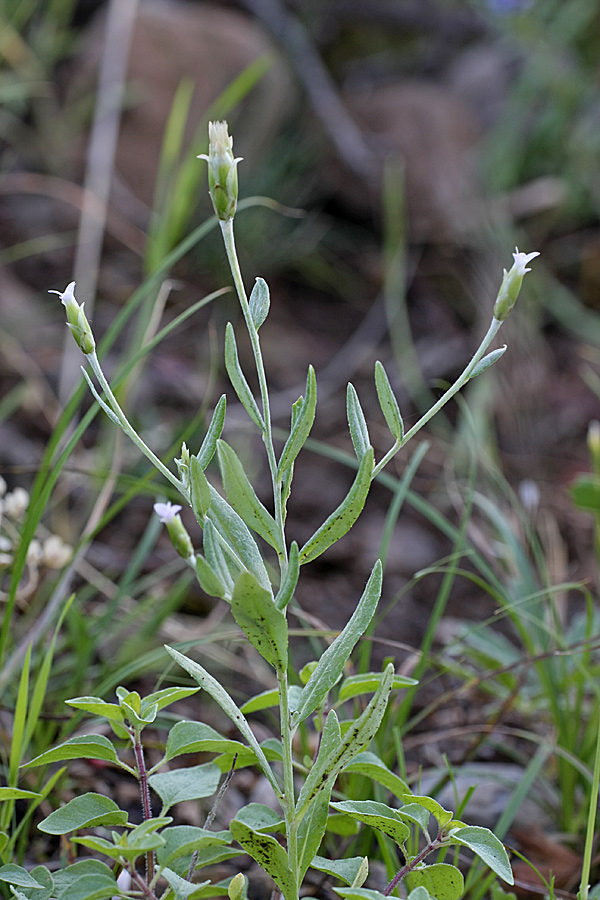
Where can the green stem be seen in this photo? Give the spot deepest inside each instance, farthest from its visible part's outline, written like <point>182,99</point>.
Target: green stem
<point>289,799</point>
<point>589,837</point>
<point>129,429</point>
<point>229,240</point>
<point>458,384</point>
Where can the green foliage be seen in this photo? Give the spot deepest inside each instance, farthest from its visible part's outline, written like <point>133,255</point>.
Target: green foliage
<point>242,542</point>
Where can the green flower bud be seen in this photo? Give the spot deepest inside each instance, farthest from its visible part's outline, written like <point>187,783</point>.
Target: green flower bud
<point>511,284</point>
<point>236,887</point>
<point>180,539</point>
<point>76,319</point>
<point>222,170</point>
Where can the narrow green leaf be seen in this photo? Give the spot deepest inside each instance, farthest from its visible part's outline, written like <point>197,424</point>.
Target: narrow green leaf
<point>332,662</point>
<point>369,765</point>
<point>260,818</point>
<point>441,880</point>
<point>236,532</point>
<point>242,497</point>
<point>199,490</point>
<point>196,737</point>
<point>208,579</point>
<point>359,893</point>
<point>216,559</point>
<point>183,840</point>
<point>85,746</point>
<point>343,518</point>
<point>98,707</point>
<point>259,302</point>
<point>190,783</point>
<point>377,815</point>
<point>83,811</point>
<point>165,697</point>
<point>264,625</point>
<point>220,695</point>
<point>417,814</point>
<point>265,700</point>
<point>357,423</point>
<point>302,423</point>
<point>585,492</point>
<point>442,815</point>
<point>269,854</point>
<point>181,887</point>
<point>215,429</point>
<point>312,829</point>
<point>487,847</point>
<point>88,879</point>
<point>8,793</point>
<point>290,579</point>
<point>104,406</point>
<point>344,869</point>
<point>358,736</point>
<point>488,361</point>
<point>356,685</point>
<point>238,379</point>
<point>19,722</point>
<point>388,403</point>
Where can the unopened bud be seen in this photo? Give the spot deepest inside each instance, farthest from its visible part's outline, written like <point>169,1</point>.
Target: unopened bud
<point>76,319</point>
<point>222,170</point>
<point>511,284</point>
<point>180,539</point>
<point>236,887</point>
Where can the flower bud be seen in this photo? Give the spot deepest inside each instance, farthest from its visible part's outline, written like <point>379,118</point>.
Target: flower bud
<point>76,319</point>
<point>236,887</point>
<point>180,539</point>
<point>511,284</point>
<point>222,171</point>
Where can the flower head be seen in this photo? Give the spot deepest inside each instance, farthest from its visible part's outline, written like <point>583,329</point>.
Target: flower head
<point>166,511</point>
<point>76,319</point>
<point>511,284</point>
<point>222,170</point>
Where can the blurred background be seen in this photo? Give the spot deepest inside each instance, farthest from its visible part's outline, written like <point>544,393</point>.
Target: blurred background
<point>397,152</point>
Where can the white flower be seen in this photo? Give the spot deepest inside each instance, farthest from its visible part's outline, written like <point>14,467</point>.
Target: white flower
<point>166,511</point>
<point>521,260</point>
<point>76,319</point>
<point>67,297</point>
<point>15,503</point>
<point>34,552</point>
<point>56,553</point>
<point>3,486</point>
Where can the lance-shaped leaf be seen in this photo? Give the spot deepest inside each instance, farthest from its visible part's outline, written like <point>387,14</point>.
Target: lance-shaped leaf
<point>215,429</point>
<point>388,403</point>
<point>183,840</point>
<point>237,535</point>
<point>332,662</point>
<point>199,490</point>
<point>85,746</point>
<point>263,624</point>
<point>443,816</point>
<point>311,830</point>
<point>369,765</point>
<point>357,423</point>
<point>290,579</point>
<point>208,579</point>
<point>359,893</point>
<point>242,497</point>
<point>303,417</point>
<point>197,737</point>
<point>486,845</point>
<point>88,879</point>
<point>216,559</point>
<point>343,518</point>
<point>358,736</point>
<point>269,854</point>
<point>356,685</point>
<point>20,877</point>
<point>347,870</point>
<point>487,361</point>
<point>260,818</point>
<point>220,695</point>
<point>238,379</point>
<point>441,880</point>
<point>259,302</point>
<point>377,815</point>
<point>98,707</point>
<point>84,811</point>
